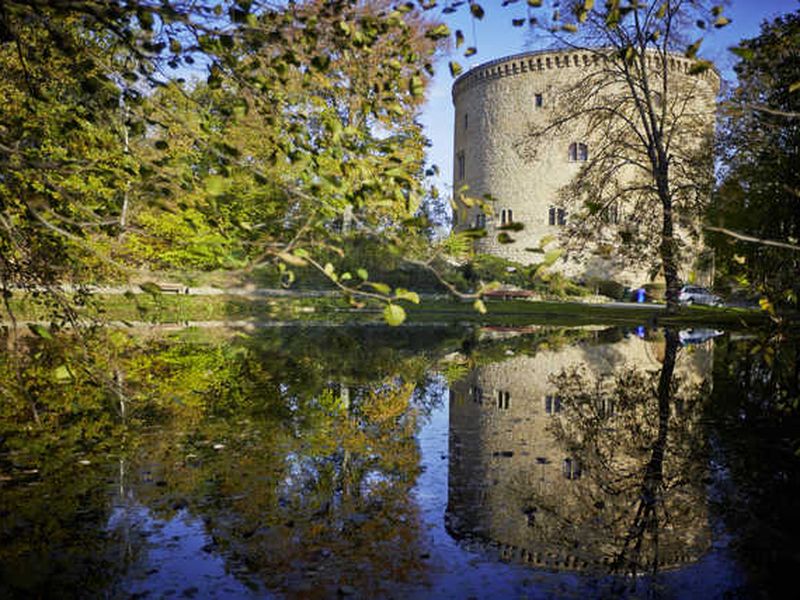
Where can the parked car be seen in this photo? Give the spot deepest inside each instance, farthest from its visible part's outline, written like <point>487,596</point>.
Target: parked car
<point>697,336</point>
<point>693,294</point>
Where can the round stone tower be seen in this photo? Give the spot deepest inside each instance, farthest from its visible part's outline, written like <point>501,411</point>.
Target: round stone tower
<point>497,106</point>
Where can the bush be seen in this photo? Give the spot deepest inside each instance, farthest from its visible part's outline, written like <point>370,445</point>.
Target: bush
<point>611,289</point>
<point>655,291</point>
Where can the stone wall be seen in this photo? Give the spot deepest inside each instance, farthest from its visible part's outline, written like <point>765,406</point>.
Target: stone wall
<point>496,106</point>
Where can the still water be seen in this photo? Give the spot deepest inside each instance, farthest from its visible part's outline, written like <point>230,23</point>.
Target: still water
<point>417,462</point>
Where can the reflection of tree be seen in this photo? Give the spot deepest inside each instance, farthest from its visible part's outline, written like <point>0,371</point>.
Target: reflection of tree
<point>594,463</point>
<point>755,420</point>
<point>299,458</point>
<point>633,435</point>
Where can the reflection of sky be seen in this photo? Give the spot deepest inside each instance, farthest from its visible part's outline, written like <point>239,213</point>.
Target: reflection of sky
<point>174,558</point>
<point>495,37</point>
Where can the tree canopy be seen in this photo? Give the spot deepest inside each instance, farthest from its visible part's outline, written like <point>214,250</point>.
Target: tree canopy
<point>759,196</point>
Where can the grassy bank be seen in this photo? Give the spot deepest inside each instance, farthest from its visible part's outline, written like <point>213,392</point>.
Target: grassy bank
<point>173,308</point>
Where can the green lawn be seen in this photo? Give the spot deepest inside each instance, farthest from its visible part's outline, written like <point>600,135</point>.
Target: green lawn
<point>173,308</point>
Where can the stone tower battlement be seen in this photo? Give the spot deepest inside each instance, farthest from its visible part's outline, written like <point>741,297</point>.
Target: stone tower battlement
<point>543,60</point>
<point>497,105</point>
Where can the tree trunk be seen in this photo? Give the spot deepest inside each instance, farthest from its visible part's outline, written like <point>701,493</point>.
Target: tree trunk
<point>667,248</point>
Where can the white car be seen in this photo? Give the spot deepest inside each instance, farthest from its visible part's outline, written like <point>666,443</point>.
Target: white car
<point>693,294</point>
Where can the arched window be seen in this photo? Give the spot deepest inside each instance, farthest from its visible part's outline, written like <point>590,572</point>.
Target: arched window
<point>480,221</point>
<point>583,152</point>
<point>506,216</point>
<point>573,152</point>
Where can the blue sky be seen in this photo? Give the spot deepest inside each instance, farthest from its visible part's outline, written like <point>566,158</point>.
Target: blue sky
<point>495,37</point>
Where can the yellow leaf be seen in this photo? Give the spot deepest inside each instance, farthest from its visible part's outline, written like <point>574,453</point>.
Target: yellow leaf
<point>291,259</point>
<point>394,315</point>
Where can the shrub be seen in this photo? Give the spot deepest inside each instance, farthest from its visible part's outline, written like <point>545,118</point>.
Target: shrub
<point>611,289</point>
<point>656,291</point>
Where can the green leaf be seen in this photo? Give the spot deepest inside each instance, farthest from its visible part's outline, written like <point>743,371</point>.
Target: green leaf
<point>438,32</point>
<point>381,288</point>
<point>691,50</point>
<point>403,294</point>
<point>215,185</point>
<point>480,306</point>
<point>476,10</point>
<point>62,373</point>
<point>794,87</point>
<point>362,273</point>
<point>535,3</point>
<point>699,66</point>
<point>743,53</point>
<point>292,259</point>
<point>721,22</point>
<point>569,27</point>
<point>470,51</point>
<point>40,331</point>
<point>330,271</point>
<point>394,315</point>
<point>455,68</point>
<point>416,86</point>
<point>459,38</point>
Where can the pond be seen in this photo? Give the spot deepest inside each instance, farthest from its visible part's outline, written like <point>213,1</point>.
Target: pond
<point>429,462</point>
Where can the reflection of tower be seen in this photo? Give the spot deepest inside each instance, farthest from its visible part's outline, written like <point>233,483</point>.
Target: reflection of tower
<point>553,482</point>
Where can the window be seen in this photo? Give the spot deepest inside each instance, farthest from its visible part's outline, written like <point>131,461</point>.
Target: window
<point>477,394</point>
<point>611,213</point>
<point>503,399</point>
<point>530,515</point>
<point>466,120</point>
<point>578,151</point>
<point>604,407</point>
<point>460,165</point>
<point>538,100</point>
<point>556,216</point>
<point>480,221</point>
<point>552,404</point>
<point>506,216</point>
<point>571,468</point>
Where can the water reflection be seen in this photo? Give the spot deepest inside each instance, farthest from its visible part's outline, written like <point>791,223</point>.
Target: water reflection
<point>585,457</point>
<point>315,463</point>
<point>283,461</point>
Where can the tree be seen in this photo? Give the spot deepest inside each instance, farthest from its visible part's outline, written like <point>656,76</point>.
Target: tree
<point>309,108</point>
<point>648,114</point>
<point>759,197</point>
